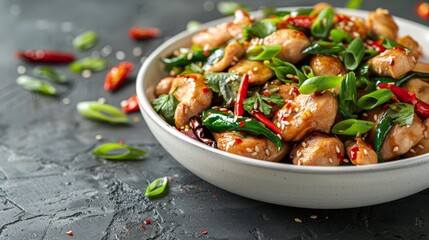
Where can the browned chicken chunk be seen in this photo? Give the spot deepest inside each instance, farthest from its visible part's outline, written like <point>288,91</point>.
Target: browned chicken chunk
<point>393,62</point>
<point>305,114</point>
<point>292,43</point>
<point>421,147</point>
<point>257,71</point>
<point>250,146</point>
<point>164,86</point>
<point>233,52</point>
<point>318,149</point>
<point>360,153</point>
<point>327,65</point>
<point>411,44</point>
<point>194,97</point>
<point>419,87</point>
<point>379,22</point>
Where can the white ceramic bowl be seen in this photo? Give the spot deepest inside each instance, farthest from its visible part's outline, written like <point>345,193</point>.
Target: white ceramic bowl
<point>280,183</point>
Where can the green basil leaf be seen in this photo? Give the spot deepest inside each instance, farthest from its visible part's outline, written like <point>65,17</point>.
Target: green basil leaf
<point>284,71</point>
<point>326,48</point>
<point>166,106</point>
<point>262,103</point>
<point>259,29</point>
<point>50,73</point>
<point>226,84</point>
<point>401,113</point>
<point>85,41</point>
<point>101,112</point>
<point>36,85</point>
<point>88,63</point>
<point>157,187</point>
<point>354,54</point>
<point>117,151</point>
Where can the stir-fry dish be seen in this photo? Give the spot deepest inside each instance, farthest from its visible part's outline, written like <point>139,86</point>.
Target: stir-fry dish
<point>310,86</point>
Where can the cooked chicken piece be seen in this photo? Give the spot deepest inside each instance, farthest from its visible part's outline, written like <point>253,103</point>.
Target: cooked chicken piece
<point>419,87</point>
<point>250,146</point>
<point>288,91</point>
<point>353,26</point>
<point>411,44</point>
<point>318,149</point>
<point>380,23</point>
<point>319,7</point>
<point>399,140</point>
<point>164,86</point>
<point>393,62</point>
<point>232,53</point>
<point>219,35</point>
<point>306,113</point>
<point>327,65</point>
<point>292,43</point>
<point>257,71</point>
<point>360,153</point>
<point>194,97</point>
<point>421,147</point>
<point>421,67</point>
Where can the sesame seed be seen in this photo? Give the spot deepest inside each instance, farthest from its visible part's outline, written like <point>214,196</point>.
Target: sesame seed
<point>255,69</point>
<point>189,57</point>
<point>137,51</point>
<point>106,51</point>
<point>255,105</point>
<point>286,123</point>
<point>412,150</point>
<point>185,109</point>
<point>249,150</point>
<point>347,28</point>
<point>365,114</point>
<point>289,75</point>
<point>298,220</point>
<point>350,23</point>
<point>86,73</point>
<point>21,69</point>
<point>395,149</point>
<point>136,119</point>
<point>375,117</point>
<point>98,137</point>
<point>425,134</point>
<point>248,120</point>
<point>278,135</point>
<point>330,160</point>
<point>66,101</point>
<point>345,160</point>
<point>278,124</point>
<point>254,153</point>
<point>337,149</point>
<point>313,216</point>
<point>421,146</point>
<point>235,58</point>
<point>365,151</point>
<point>267,152</point>
<point>256,149</point>
<point>304,144</point>
<point>102,100</point>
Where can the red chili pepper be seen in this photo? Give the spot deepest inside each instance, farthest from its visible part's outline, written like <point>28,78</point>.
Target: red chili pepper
<point>353,152</point>
<point>300,21</point>
<point>420,107</point>
<point>376,45</point>
<point>241,95</point>
<point>117,75</point>
<point>45,56</point>
<point>261,117</point>
<point>131,104</point>
<point>139,33</point>
<point>422,10</point>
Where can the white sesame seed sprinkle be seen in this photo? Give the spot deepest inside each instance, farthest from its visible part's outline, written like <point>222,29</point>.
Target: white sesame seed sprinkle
<point>365,151</point>
<point>21,69</point>
<point>66,101</point>
<point>289,75</point>
<point>365,114</point>
<point>313,216</point>
<point>304,144</point>
<point>86,73</point>
<point>425,134</point>
<point>120,55</point>
<point>248,120</point>
<point>102,100</point>
<point>330,160</point>
<point>255,69</point>
<point>337,149</point>
<point>395,149</point>
<point>267,152</point>
<point>375,117</point>
<point>249,150</point>
<point>298,220</point>
<point>421,146</point>
<point>98,137</point>
<point>256,149</point>
<point>254,153</point>
<point>412,150</point>
<point>137,51</point>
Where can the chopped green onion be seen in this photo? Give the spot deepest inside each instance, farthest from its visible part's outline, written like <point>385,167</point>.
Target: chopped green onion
<point>320,83</point>
<point>117,151</point>
<point>323,23</point>
<point>36,85</point>
<point>102,112</point>
<point>193,25</point>
<point>282,69</point>
<point>374,99</point>
<point>354,4</point>
<point>85,41</point>
<point>229,7</point>
<point>263,52</point>
<point>351,127</point>
<point>157,187</point>
<point>348,95</point>
<point>323,47</point>
<point>307,71</point>
<point>49,72</point>
<point>338,36</point>
<point>88,63</point>
<point>354,54</point>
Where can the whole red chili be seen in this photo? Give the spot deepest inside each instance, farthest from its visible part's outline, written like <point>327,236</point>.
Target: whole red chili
<point>241,95</point>
<point>139,33</point>
<point>117,75</point>
<point>131,104</point>
<point>45,56</point>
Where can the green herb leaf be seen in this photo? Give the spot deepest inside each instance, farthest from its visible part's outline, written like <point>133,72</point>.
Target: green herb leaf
<point>50,73</point>
<point>354,54</point>
<point>166,106</point>
<point>259,29</point>
<point>101,112</point>
<point>322,47</point>
<point>85,41</point>
<point>90,63</point>
<point>301,12</point>
<point>157,187</point>
<point>262,52</point>
<point>213,58</point>
<point>262,103</point>
<point>36,85</point>
<point>401,113</point>
<point>192,68</point>
<point>354,4</point>
<point>226,84</point>
<point>282,69</point>
<point>351,127</point>
<point>323,23</point>
<point>117,151</point>
<point>320,83</point>
<point>338,36</point>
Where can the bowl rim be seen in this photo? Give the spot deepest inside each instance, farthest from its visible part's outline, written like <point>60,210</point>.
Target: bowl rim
<point>146,107</point>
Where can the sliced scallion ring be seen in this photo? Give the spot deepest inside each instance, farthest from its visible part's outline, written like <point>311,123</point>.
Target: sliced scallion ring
<point>117,151</point>
<point>320,83</point>
<point>85,41</point>
<point>50,73</point>
<point>374,99</point>
<point>157,187</point>
<point>102,112</point>
<point>36,85</point>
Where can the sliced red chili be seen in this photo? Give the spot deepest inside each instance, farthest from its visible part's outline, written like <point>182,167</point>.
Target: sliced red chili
<point>45,56</point>
<point>139,33</point>
<point>353,152</point>
<point>117,75</point>
<point>270,125</point>
<point>422,10</point>
<point>241,95</point>
<point>131,104</point>
<point>300,21</point>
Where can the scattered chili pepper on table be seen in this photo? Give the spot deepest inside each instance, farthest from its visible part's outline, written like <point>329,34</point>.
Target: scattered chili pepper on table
<point>130,105</point>
<point>45,56</point>
<point>139,33</point>
<point>117,75</point>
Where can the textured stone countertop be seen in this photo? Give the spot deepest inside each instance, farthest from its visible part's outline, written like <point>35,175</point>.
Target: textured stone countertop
<point>50,183</point>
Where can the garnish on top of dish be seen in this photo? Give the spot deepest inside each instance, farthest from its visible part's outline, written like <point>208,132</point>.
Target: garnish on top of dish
<point>310,86</point>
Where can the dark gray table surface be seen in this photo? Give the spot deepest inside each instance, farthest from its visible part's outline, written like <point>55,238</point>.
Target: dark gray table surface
<point>50,183</point>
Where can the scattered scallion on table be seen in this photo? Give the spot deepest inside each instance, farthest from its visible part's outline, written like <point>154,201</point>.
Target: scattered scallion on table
<point>157,187</point>
<point>117,151</point>
<point>90,63</point>
<point>50,73</point>
<point>85,41</point>
<point>102,112</point>
<point>36,85</point>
